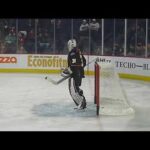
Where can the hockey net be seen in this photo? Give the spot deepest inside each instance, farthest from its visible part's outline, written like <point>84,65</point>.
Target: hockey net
<point>110,97</point>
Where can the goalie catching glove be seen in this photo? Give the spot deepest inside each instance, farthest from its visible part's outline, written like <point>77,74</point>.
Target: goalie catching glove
<point>66,72</point>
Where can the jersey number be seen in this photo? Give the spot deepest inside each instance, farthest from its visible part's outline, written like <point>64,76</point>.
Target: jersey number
<point>73,61</point>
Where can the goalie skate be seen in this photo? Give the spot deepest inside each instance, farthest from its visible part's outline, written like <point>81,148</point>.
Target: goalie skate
<point>81,106</point>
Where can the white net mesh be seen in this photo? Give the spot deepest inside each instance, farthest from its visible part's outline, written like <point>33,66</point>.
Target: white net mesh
<point>113,100</point>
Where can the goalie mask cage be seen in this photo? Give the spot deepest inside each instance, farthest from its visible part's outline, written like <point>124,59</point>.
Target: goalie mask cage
<point>109,96</point>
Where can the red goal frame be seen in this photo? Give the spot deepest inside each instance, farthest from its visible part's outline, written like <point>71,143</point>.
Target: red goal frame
<point>97,87</point>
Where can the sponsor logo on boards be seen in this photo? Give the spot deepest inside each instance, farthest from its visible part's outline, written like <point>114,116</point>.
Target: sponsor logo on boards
<point>10,60</point>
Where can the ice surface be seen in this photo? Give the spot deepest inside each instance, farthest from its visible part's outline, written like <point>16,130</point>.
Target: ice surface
<point>30,103</point>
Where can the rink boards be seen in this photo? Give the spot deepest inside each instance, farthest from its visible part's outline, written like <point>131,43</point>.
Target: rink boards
<point>127,67</point>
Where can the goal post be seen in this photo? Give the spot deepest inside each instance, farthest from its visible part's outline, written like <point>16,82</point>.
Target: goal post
<point>96,87</point>
<point>109,95</point>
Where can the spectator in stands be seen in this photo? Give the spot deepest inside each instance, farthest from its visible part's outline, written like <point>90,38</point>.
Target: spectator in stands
<point>2,48</point>
<point>94,25</point>
<point>131,41</point>
<point>60,42</point>
<point>117,50</point>
<point>51,28</point>
<point>6,30</point>
<point>135,40</point>
<point>140,49</point>
<point>21,50</point>
<point>84,35</point>
<point>43,43</point>
<point>30,42</point>
<point>140,35</point>
<point>11,41</point>
<point>94,28</point>
<point>22,37</point>
<point>84,28</point>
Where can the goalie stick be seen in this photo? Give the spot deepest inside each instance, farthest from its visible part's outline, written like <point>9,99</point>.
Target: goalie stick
<point>59,81</point>
<point>64,78</point>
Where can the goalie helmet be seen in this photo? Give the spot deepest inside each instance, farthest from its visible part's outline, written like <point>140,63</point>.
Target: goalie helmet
<point>71,44</point>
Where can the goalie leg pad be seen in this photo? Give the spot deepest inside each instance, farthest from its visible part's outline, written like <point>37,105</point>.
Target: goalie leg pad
<point>77,94</point>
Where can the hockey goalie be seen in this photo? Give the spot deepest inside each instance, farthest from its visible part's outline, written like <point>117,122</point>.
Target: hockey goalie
<point>76,64</point>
